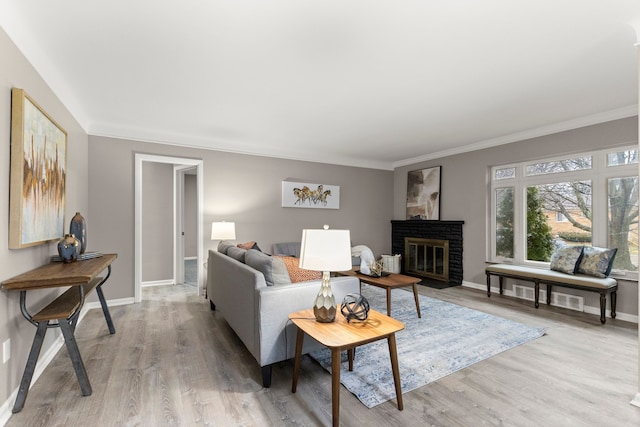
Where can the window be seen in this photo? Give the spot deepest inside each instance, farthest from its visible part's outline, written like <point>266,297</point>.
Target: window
<point>586,199</point>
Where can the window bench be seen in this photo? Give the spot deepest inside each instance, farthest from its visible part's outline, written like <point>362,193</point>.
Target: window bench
<point>555,278</point>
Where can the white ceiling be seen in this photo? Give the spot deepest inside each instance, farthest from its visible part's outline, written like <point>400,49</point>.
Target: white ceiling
<point>360,82</point>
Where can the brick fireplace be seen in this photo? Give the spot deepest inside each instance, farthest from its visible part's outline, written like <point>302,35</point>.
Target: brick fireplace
<point>429,249</point>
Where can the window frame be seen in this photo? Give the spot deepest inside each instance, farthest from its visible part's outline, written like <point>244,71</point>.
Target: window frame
<point>599,174</point>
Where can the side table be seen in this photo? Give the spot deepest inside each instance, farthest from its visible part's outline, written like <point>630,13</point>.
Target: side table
<point>341,335</point>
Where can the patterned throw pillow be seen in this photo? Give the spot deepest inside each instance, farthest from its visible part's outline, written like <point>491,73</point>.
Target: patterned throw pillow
<point>597,262</point>
<point>249,245</point>
<point>297,274</point>
<point>566,259</point>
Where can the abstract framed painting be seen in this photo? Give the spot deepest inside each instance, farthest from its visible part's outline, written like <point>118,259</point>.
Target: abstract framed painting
<point>423,194</point>
<point>38,174</point>
<point>307,195</point>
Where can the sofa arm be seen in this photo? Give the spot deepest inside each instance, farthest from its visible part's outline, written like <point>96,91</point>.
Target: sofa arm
<point>277,336</point>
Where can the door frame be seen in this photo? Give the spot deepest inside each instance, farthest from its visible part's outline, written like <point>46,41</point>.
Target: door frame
<point>178,163</point>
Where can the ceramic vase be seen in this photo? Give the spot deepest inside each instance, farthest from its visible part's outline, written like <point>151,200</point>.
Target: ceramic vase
<point>78,228</point>
<point>69,248</point>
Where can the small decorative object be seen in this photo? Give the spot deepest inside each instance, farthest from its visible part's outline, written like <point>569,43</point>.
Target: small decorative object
<point>69,248</point>
<point>391,263</point>
<point>366,257</point>
<point>376,268</point>
<point>354,306</point>
<point>325,250</point>
<point>78,228</point>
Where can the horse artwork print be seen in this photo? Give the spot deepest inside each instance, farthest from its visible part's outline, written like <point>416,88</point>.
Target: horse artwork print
<point>307,195</point>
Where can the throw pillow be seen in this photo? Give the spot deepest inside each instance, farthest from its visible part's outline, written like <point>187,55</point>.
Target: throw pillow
<point>224,246</point>
<point>297,274</point>
<point>249,245</point>
<point>566,259</point>
<point>272,268</point>
<point>597,262</point>
<point>237,253</point>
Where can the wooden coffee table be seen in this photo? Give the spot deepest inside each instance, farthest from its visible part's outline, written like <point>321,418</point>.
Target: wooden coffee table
<point>389,282</point>
<point>341,335</point>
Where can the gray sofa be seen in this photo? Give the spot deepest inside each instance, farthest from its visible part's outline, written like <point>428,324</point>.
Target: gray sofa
<point>258,313</point>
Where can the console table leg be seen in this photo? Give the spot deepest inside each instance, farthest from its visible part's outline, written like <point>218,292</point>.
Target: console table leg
<point>76,360</point>
<point>31,366</point>
<point>105,310</point>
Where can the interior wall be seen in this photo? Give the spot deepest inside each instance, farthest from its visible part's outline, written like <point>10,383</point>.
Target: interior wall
<point>190,217</point>
<point>237,187</point>
<point>16,71</point>
<point>465,189</point>
<point>157,222</point>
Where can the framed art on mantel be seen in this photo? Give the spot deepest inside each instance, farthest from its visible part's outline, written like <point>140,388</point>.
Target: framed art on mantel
<point>423,194</point>
<point>38,174</point>
<point>306,195</point>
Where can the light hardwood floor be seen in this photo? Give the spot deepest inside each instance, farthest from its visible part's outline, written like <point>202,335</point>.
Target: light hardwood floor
<point>174,362</point>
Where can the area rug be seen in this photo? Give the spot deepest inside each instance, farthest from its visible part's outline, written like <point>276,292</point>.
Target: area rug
<point>446,339</point>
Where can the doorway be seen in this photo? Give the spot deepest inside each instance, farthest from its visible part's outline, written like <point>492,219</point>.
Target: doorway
<point>181,167</point>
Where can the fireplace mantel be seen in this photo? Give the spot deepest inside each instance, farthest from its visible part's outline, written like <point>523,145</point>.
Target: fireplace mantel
<point>429,229</point>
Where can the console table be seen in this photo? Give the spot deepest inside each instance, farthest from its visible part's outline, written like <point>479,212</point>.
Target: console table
<point>81,278</point>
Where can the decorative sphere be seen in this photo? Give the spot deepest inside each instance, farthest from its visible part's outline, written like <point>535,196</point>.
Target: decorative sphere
<point>354,306</point>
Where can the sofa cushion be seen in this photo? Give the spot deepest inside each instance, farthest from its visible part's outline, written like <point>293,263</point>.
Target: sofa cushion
<point>237,253</point>
<point>566,259</point>
<point>597,262</point>
<point>224,246</point>
<point>273,269</point>
<point>297,274</point>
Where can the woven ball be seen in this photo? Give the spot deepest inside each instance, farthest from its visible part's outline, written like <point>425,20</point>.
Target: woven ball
<point>354,306</point>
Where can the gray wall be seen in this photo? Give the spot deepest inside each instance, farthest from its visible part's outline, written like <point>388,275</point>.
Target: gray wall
<point>241,188</point>
<point>157,222</point>
<point>465,187</point>
<point>16,71</point>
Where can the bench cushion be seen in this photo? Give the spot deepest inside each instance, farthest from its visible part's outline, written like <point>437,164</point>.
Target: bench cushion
<point>552,276</point>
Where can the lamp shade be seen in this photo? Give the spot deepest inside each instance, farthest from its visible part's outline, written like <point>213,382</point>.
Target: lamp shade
<point>325,250</point>
<point>223,230</point>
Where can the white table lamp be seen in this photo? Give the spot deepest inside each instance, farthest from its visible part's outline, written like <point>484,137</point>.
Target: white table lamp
<point>223,230</point>
<point>325,250</point>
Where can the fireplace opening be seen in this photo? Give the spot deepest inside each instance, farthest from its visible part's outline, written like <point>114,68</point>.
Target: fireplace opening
<point>427,258</point>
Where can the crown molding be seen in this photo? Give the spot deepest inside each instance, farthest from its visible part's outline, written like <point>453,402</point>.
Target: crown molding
<point>594,119</point>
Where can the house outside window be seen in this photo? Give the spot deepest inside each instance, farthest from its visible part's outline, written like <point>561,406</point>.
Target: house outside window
<point>587,199</point>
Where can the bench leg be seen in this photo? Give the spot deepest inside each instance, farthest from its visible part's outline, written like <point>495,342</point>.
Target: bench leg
<point>614,297</point>
<point>76,360</point>
<point>548,294</point>
<point>536,293</point>
<point>603,307</point>
<point>30,368</point>
<point>105,310</point>
<point>501,281</point>
<point>489,285</point>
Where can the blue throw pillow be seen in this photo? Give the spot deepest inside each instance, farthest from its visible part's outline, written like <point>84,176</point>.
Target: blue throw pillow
<point>566,259</point>
<point>597,262</point>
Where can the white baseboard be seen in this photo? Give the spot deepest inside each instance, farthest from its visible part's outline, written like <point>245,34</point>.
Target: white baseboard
<point>49,353</point>
<point>587,308</point>
<point>157,283</point>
